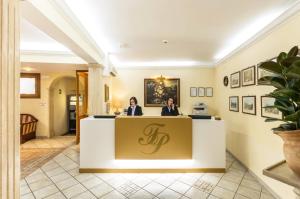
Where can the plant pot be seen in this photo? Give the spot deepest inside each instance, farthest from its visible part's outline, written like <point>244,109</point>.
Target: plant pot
<point>291,149</point>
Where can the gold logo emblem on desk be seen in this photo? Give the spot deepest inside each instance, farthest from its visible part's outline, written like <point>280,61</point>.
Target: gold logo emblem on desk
<point>153,136</point>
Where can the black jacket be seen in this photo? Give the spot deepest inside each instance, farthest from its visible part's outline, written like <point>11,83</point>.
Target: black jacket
<point>137,111</point>
<point>173,112</point>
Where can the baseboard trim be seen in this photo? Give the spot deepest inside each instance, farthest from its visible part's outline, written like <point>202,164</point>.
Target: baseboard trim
<point>183,170</point>
<point>42,137</point>
<point>256,177</point>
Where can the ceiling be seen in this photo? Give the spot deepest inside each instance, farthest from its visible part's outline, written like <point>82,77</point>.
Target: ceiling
<point>33,39</point>
<point>198,32</point>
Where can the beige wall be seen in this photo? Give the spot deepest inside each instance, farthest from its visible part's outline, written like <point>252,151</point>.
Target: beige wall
<point>249,138</point>
<point>130,82</point>
<point>58,104</point>
<point>40,108</point>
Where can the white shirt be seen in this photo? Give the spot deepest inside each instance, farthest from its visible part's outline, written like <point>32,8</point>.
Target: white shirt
<point>133,110</point>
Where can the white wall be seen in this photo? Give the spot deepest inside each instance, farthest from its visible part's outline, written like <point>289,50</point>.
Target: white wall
<point>130,82</point>
<point>40,108</point>
<point>249,138</point>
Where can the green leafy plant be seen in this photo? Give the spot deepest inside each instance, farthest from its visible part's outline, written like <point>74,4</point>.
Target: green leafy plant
<point>286,80</point>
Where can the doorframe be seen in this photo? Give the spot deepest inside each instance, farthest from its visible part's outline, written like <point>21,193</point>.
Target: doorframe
<point>78,117</point>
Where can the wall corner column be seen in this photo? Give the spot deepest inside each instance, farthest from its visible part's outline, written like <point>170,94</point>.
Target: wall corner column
<point>10,99</point>
<point>95,90</point>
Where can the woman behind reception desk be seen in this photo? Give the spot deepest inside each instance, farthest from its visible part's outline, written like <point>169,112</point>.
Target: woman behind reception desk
<point>134,109</point>
<point>170,109</point>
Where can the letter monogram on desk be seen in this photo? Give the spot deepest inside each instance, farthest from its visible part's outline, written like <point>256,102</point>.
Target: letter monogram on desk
<point>153,136</point>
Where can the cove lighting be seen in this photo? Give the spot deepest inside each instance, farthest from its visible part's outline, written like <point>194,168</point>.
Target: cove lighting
<point>161,63</point>
<point>84,14</point>
<point>247,33</point>
<point>35,46</point>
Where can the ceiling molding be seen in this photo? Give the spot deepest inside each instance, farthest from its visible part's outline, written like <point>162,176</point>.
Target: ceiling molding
<point>265,31</point>
<point>160,67</point>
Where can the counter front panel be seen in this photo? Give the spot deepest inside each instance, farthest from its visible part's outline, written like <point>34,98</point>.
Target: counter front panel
<point>153,138</point>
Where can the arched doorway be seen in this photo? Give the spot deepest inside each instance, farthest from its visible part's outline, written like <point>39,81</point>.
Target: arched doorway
<point>62,118</point>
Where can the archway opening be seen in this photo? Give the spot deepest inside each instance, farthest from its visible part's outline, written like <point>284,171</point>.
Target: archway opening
<point>62,106</point>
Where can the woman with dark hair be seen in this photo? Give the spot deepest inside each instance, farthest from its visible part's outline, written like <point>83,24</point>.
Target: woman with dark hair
<point>170,109</point>
<point>134,109</point>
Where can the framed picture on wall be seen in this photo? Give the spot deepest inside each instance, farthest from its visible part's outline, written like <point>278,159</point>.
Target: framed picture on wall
<point>248,76</point>
<point>209,92</point>
<point>235,80</point>
<point>201,91</point>
<point>263,73</point>
<point>193,92</point>
<point>30,84</point>
<point>249,105</point>
<point>266,109</point>
<point>234,103</point>
<point>106,93</point>
<point>157,91</point>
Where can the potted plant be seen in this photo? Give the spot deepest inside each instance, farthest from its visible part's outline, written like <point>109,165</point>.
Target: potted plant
<point>286,80</point>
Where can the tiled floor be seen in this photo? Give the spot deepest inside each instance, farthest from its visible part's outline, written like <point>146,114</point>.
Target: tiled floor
<point>59,178</point>
<point>37,152</point>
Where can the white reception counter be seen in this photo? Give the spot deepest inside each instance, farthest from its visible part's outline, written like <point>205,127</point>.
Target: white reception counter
<point>97,149</point>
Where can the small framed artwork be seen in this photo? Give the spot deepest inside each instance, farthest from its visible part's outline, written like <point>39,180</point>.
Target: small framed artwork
<point>209,92</point>
<point>248,76</point>
<point>193,91</point>
<point>249,105</point>
<point>269,112</point>
<point>201,91</point>
<point>235,80</point>
<point>234,103</point>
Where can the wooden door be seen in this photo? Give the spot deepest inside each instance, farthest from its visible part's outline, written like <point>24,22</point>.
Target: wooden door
<point>81,99</point>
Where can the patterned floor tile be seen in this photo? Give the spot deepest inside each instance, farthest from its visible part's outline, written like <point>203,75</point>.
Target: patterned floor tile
<point>154,188</point>
<point>59,178</point>
<point>194,193</point>
<point>74,190</point>
<point>141,194</point>
<point>248,192</point>
<point>46,191</point>
<point>222,193</point>
<point>101,189</point>
<point>169,194</point>
<point>85,195</point>
<point>113,195</point>
<point>128,189</point>
<point>179,187</point>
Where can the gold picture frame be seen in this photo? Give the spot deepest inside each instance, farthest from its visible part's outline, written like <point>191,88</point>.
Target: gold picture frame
<point>158,90</point>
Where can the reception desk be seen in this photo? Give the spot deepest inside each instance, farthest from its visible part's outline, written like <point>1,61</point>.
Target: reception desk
<point>151,144</point>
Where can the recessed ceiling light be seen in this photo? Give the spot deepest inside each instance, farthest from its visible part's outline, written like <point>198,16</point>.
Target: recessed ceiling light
<point>165,41</point>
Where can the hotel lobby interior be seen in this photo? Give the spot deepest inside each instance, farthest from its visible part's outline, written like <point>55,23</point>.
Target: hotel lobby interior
<point>150,99</point>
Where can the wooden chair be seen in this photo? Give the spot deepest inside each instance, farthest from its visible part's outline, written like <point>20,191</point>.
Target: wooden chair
<point>28,125</point>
